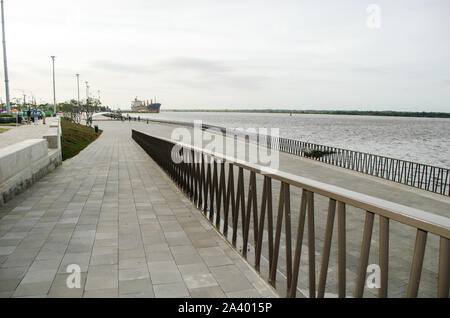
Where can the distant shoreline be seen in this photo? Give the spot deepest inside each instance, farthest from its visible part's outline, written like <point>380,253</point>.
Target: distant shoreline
<point>321,112</point>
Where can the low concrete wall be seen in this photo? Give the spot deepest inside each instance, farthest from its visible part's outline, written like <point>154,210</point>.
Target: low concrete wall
<point>23,163</point>
<point>52,137</point>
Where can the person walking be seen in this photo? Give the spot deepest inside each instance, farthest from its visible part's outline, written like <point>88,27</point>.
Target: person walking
<point>35,117</point>
<point>28,116</point>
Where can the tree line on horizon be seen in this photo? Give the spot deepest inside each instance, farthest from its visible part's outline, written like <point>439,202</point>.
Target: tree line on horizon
<point>325,112</point>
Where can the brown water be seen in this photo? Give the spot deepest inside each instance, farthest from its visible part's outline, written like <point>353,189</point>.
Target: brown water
<point>424,140</point>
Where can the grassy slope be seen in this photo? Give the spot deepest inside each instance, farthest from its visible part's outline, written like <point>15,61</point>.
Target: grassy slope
<point>10,124</point>
<point>75,138</point>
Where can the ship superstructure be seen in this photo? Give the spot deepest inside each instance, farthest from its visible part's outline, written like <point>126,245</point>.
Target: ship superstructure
<point>140,106</point>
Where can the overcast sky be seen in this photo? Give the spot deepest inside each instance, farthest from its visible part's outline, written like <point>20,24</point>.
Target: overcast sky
<point>234,53</point>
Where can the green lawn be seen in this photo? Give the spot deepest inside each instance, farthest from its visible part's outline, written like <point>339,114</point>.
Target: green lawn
<point>2,130</point>
<point>10,124</point>
<point>75,138</point>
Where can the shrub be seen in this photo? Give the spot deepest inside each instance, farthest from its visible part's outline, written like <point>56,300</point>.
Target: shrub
<point>6,120</point>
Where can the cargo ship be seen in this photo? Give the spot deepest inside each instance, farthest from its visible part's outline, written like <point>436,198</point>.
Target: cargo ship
<point>140,106</point>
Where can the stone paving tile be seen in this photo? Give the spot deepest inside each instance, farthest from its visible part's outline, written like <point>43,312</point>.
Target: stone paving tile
<point>173,290</point>
<point>208,292</point>
<point>199,280</point>
<point>114,213</point>
<point>136,286</point>
<point>164,272</point>
<point>134,273</point>
<point>32,289</point>
<point>214,256</point>
<point>230,278</point>
<point>102,293</point>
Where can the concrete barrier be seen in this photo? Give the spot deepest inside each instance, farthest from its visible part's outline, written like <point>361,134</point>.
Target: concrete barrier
<point>53,134</point>
<point>23,163</point>
<point>52,137</point>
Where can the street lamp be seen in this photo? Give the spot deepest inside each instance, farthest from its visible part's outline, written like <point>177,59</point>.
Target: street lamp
<point>87,95</point>
<point>54,93</point>
<point>78,85</point>
<point>5,67</point>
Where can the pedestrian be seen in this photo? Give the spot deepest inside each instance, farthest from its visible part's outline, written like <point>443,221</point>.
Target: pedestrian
<point>35,117</point>
<point>43,118</point>
<point>28,117</point>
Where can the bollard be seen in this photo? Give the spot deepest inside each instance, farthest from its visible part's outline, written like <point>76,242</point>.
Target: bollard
<point>96,129</point>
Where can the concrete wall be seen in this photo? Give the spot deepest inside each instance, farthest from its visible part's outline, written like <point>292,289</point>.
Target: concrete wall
<point>23,163</point>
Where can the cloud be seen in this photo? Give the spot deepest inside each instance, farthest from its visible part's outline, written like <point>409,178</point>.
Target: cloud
<point>118,67</point>
<point>189,72</point>
<point>213,74</point>
<point>197,65</point>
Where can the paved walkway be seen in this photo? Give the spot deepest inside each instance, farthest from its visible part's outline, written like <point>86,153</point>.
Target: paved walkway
<point>402,238</point>
<point>20,133</point>
<point>115,214</point>
<point>327,173</point>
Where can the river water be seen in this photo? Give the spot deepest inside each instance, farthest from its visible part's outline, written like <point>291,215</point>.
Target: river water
<point>424,140</point>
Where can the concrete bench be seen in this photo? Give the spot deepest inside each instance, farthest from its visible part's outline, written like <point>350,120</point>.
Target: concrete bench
<point>53,134</point>
<point>52,137</point>
<point>21,165</point>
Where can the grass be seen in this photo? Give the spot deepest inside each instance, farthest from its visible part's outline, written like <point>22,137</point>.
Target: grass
<point>75,137</point>
<point>10,124</point>
<point>2,130</point>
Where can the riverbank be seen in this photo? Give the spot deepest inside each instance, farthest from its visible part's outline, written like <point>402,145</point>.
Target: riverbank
<point>76,137</point>
<point>319,112</point>
<point>424,140</point>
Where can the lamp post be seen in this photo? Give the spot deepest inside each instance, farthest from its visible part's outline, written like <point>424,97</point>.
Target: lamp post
<point>87,95</point>
<point>78,86</point>
<point>5,67</point>
<point>98,101</point>
<point>54,93</point>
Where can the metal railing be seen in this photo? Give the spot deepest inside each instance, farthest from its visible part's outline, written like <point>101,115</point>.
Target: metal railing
<point>208,180</point>
<point>418,175</point>
<point>426,177</point>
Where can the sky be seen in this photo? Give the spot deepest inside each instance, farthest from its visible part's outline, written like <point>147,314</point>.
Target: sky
<point>215,54</point>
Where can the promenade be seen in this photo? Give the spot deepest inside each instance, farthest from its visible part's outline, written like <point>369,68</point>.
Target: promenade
<point>402,238</point>
<point>17,134</point>
<point>327,173</point>
<point>113,212</point>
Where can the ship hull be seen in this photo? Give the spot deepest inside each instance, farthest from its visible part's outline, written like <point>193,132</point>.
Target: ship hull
<point>152,108</point>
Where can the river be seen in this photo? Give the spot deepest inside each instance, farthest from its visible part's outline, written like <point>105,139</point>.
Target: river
<point>424,140</point>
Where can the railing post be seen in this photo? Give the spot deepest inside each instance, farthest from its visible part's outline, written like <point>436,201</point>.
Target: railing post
<point>341,251</point>
<point>417,262</point>
<point>444,267</point>
<point>383,256</point>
